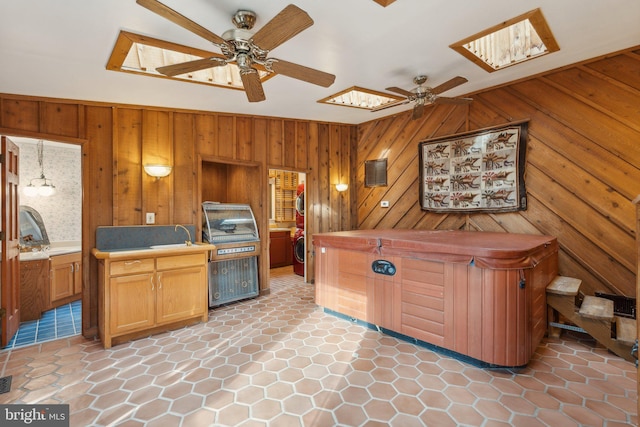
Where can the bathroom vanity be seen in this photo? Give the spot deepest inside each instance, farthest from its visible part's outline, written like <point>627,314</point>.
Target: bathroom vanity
<point>50,272</point>
<point>49,279</point>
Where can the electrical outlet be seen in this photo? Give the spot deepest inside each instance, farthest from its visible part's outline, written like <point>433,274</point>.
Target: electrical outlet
<point>384,204</point>
<point>151,218</point>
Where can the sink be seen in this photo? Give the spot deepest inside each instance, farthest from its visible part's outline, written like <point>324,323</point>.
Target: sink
<point>169,246</point>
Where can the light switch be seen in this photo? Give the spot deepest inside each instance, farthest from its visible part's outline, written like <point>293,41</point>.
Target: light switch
<point>151,218</point>
<point>384,204</point>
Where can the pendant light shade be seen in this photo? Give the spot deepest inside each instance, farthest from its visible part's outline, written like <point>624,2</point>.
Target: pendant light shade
<point>41,186</point>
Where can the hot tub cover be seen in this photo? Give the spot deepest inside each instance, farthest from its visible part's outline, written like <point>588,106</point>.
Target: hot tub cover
<point>482,249</point>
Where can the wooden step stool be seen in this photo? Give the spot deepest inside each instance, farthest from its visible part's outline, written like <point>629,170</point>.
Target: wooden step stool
<point>597,308</point>
<point>562,290</point>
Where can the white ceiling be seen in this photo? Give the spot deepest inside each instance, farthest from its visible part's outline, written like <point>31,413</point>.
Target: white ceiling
<point>59,48</point>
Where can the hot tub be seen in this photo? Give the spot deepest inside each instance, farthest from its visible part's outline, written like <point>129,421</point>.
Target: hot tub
<point>480,295</point>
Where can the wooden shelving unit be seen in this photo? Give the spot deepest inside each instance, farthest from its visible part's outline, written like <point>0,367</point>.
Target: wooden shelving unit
<point>286,184</point>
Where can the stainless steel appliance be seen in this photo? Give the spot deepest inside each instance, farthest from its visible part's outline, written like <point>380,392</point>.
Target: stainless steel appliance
<point>233,264</point>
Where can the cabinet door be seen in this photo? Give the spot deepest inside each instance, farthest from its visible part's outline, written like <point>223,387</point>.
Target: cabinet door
<point>77,278</point>
<point>66,276</point>
<point>132,302</point>
<point>34,289</point>
<point>280,250</point>
<point>181,294</point>
<point>61,280</point>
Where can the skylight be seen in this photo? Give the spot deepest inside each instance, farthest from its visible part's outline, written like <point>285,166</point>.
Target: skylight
<point>517,40</point>
<point>358,97</point>
<point>138,54</point>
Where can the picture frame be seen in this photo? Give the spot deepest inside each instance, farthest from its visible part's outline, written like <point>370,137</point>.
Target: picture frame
<point>476,171</point>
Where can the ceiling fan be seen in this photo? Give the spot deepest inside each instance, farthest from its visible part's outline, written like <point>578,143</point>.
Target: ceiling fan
<point>246,48</point>
<point>424,95</point>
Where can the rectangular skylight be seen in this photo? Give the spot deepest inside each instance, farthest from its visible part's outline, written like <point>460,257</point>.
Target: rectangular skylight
<point>134,53</point>
<point>517,40</point>
<point>358,97</point>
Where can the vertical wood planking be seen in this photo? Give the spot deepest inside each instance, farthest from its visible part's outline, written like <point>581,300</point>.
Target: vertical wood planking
<point>185,196</point>
<point>275,145</point>
<point>226,137</point>
<point>244,139</point>
<point>127,170</point>
<point>157,147</point>
<point>98,182</point>
<point>260,140</point>
<point>289,145</point>
<point>301,145</point>
<point>334,176</point>
<point>206,134</point>
<point>312,185</point>
<point>323,168</point>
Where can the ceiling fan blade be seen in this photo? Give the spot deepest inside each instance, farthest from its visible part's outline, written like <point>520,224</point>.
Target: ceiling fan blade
<point>187,67</point>
<point>286,24</point>
<point>166,12</point>
<point>390,104</point>
<point>303,73</point>
<point>445,100</point>
<point>456,81</point>
<point>418,111</point>
<point>400,91</point>
<point>252,85</point>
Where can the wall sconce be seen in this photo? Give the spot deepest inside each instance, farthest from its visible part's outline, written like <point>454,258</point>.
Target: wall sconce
<point>157,171</point>
<point>342,187</point>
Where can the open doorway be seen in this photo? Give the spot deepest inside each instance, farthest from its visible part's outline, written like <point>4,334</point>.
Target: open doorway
<point>286,220</point>
<point>50,199</point>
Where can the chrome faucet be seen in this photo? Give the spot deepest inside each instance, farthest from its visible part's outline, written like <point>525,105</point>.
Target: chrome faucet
<point>186,242</point>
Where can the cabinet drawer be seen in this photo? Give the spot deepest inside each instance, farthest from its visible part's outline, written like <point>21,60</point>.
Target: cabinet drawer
<point>131,266</point>
<point>179,261</point>
<point>66,258</point>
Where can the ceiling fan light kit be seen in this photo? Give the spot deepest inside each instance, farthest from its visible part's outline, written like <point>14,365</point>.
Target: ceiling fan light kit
<point>424,95</point>
<point>246,49</point>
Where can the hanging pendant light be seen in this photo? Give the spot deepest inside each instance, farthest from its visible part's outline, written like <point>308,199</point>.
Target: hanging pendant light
<point>41,186</point>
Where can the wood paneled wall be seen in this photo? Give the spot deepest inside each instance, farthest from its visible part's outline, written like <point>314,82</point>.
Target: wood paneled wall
<point>582,168</point>
<point>214,156</point>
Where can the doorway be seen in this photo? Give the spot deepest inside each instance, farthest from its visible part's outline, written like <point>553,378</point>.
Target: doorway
<point>287,220</point>
<point>51,270</point>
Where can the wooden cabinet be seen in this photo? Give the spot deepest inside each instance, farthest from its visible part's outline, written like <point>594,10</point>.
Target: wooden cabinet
<point>150,293</point>
<point>286,186</point>
<point>180,287</point>
<point>65,278</point>
<point>34,288</point>
<point>130,297</point>
<point>280,249</point>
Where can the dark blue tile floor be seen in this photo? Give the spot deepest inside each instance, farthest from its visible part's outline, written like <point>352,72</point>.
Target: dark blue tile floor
<point>63,321</point>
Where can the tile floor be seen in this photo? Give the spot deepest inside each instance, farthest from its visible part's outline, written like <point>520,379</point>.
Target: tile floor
<point>63,321</point>
<point>279,360</point>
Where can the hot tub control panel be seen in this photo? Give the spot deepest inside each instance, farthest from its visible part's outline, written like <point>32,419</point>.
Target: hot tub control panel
<point>382,266</point>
